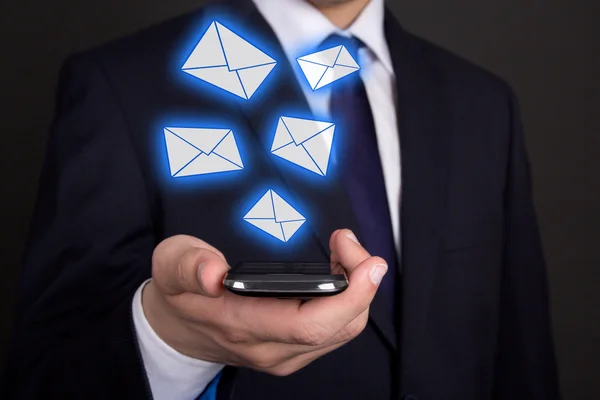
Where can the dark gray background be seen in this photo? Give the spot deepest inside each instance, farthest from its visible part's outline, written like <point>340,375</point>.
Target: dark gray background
<point>548,50</point>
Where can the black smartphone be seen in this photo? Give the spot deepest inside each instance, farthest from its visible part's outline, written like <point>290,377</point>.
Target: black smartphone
<point>284,280</point>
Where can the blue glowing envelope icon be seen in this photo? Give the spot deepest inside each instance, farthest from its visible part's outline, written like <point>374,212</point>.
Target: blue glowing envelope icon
<point>229,62</point>
<point>198,151</point>
<point>327,66</point>
<point>304,142</point>
<point>275,216</point>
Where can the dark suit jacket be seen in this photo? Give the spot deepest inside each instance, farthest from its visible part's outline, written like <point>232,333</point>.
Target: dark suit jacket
<point>473,317</point>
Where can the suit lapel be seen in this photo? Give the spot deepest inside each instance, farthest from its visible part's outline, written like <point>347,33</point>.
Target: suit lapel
<point>425,150</point>
<point>324,198</point>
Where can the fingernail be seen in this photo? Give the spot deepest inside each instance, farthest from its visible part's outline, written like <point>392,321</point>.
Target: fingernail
<point>199,275</point>
<point>350,235</point>
<point>377,273</point>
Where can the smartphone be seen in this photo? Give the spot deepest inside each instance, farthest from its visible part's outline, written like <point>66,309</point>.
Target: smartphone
<point>284,280</point>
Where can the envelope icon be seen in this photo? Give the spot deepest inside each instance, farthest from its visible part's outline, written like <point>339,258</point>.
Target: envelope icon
<point>229,62</point>
<point>304,142</point>
<point>275,216</point>
<point>198,151</point>
<point>327,66</point>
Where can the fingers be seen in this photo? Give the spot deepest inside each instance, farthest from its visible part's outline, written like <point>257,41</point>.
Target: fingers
<point>188,265</point>
<point>270,319</point>
<point>183,264</point>
<point>200,271</point>
<point>317,321</point>
<point>329,315</point>
<point>277,359</point>
<point>283,359</point>
<point>346,251</point>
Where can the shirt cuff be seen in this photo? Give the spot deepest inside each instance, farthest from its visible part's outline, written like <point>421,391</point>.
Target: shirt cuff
<point>172,375</point>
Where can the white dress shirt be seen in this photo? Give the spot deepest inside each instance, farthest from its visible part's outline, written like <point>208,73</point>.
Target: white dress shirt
<point>300,28</point>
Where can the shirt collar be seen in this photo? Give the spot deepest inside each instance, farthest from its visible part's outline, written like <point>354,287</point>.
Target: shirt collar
<point>300,26</point>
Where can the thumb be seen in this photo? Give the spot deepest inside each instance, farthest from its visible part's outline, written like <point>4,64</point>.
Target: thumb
<point>349,254</point>
<point>364,275</point>
<point>191,267</point>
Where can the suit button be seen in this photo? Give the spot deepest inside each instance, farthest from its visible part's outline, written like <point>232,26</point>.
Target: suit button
<point>410,397</point>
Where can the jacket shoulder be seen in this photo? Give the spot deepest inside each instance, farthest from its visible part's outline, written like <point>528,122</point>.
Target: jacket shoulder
<point>459,70</point>
<point>168,40</point>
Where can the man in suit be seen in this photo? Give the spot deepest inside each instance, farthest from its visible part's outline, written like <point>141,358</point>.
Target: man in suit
<point>427,209</point>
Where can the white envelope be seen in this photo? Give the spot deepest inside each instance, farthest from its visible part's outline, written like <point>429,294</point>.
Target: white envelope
<point>275,216</point>
<point>229,62</point>
<point>327,66</point>
<point>304,142</point>
<point>198,151</point>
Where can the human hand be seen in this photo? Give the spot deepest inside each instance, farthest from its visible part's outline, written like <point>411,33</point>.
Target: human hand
<point>188,307</point>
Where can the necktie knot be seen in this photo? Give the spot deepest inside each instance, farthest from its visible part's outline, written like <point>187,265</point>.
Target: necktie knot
<point>351,43</point>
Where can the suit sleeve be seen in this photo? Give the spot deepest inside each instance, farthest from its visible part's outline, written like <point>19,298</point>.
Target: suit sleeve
<point>526,367</point>
<point>89,249</point>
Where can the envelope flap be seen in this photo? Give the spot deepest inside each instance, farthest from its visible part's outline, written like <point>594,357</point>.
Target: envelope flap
<point>325,57</point>
<point>346,60</point>
<point>303,129</point>
<point>253,77</point>
<point>282,136</point>
<point>313,72</point>
<point>179,151</point>
<point>208,52</point>
<point>239,53</point>
<point>203,139</point>
<point>283,211</point>
<point>263,209</point>
<point>228,149</point>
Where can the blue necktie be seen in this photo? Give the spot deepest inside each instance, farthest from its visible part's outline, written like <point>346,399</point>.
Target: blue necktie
<point>210,392</point>
<point>359,169</point>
